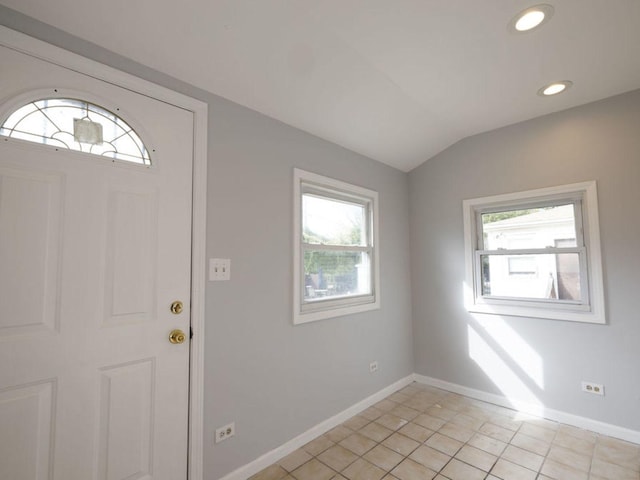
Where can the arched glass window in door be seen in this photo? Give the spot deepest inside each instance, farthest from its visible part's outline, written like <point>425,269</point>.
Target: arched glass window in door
<point>76,125</point>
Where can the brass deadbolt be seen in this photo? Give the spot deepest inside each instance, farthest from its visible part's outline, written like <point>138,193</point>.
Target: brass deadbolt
<point>176,307</point>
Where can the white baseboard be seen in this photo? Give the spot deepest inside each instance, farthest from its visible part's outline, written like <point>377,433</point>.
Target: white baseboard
<point>282,451</point>
<point>556,415</point>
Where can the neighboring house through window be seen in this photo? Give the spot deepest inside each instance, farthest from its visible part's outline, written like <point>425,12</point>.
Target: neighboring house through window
<point>335,248</point>
<point>535,254</point>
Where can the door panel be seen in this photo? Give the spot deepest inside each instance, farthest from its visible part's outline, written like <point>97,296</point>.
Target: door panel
<point>130,275</point>
<point>30,250</point>
<point>126,420</point>
<point>93,253</point>
<point>27,412</point>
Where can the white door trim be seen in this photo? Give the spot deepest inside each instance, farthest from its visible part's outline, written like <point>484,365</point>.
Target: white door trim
<point>37,48</point>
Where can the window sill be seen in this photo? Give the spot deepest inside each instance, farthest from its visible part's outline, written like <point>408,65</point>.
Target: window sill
<point>312,316</point>
<point>570,315</point>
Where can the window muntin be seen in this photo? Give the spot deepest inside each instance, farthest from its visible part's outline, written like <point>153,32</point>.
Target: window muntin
<point>76,125</point>
<point>336,258</point>
<point>535,254</point>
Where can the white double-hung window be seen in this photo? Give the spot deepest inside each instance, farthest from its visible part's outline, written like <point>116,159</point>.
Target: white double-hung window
<point>335,248</point>
<point>535,254</point>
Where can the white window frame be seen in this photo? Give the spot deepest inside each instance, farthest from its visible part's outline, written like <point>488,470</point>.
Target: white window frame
<point>583,196</point>
<point>304,311</point>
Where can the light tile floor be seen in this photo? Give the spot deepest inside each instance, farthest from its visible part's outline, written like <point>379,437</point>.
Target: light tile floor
<point>422,433</point>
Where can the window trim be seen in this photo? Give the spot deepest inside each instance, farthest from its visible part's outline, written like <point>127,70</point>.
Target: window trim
<point>308,182</point>
<point>584,198</point>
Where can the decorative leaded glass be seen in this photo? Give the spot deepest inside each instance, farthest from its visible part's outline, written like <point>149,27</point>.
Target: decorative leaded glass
<point>76,125</point>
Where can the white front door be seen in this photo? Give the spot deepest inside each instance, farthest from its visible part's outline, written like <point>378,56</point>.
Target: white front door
<point>92,254</point>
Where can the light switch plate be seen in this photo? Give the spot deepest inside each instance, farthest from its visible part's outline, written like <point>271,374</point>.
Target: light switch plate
<point>219,269</point>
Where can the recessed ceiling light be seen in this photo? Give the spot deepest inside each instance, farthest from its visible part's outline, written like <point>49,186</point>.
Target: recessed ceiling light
<point>531,18</point>
<point>554,88</point>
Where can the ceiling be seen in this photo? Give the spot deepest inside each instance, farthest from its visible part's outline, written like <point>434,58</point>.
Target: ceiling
<point>395,80</point>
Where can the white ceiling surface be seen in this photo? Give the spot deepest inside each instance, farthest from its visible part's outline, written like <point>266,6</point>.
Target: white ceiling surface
<point>395,80</point>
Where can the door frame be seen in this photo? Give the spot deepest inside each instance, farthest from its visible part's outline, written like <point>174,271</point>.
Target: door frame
<point>64,58</point>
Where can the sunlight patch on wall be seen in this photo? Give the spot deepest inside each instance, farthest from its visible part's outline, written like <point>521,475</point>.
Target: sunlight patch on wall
<point>514,346</point>
<point>510,384</point>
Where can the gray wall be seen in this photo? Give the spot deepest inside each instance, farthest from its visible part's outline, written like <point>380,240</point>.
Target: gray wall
<point>276,380</point>
<point>599,141</point>
<point>273,379</point>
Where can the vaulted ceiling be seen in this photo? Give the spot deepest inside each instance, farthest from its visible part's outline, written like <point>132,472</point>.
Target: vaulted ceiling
<point>395,80</point>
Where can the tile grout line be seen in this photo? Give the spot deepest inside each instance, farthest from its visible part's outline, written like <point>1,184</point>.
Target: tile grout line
<point>488,415</point>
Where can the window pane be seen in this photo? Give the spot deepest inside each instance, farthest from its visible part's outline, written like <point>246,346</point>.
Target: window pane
<point>336,274</point>
<point>532,228</point>
<point>326,221</point>
<point>64,122</point>
<point>545,276</point>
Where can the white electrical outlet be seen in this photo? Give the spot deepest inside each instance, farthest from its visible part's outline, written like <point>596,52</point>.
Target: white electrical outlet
<point>219,269</point>
<point>225,432</point>
<point>594,388</point>
<point>373,367</point>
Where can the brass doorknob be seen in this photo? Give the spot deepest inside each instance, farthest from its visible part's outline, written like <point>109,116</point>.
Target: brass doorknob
<point>176,307</point>
<point>177,336</point>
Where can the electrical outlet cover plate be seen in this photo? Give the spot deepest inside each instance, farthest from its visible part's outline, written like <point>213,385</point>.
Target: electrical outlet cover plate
<point>373,367</point>
<point>225,432</point>
<point>594,388</point>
